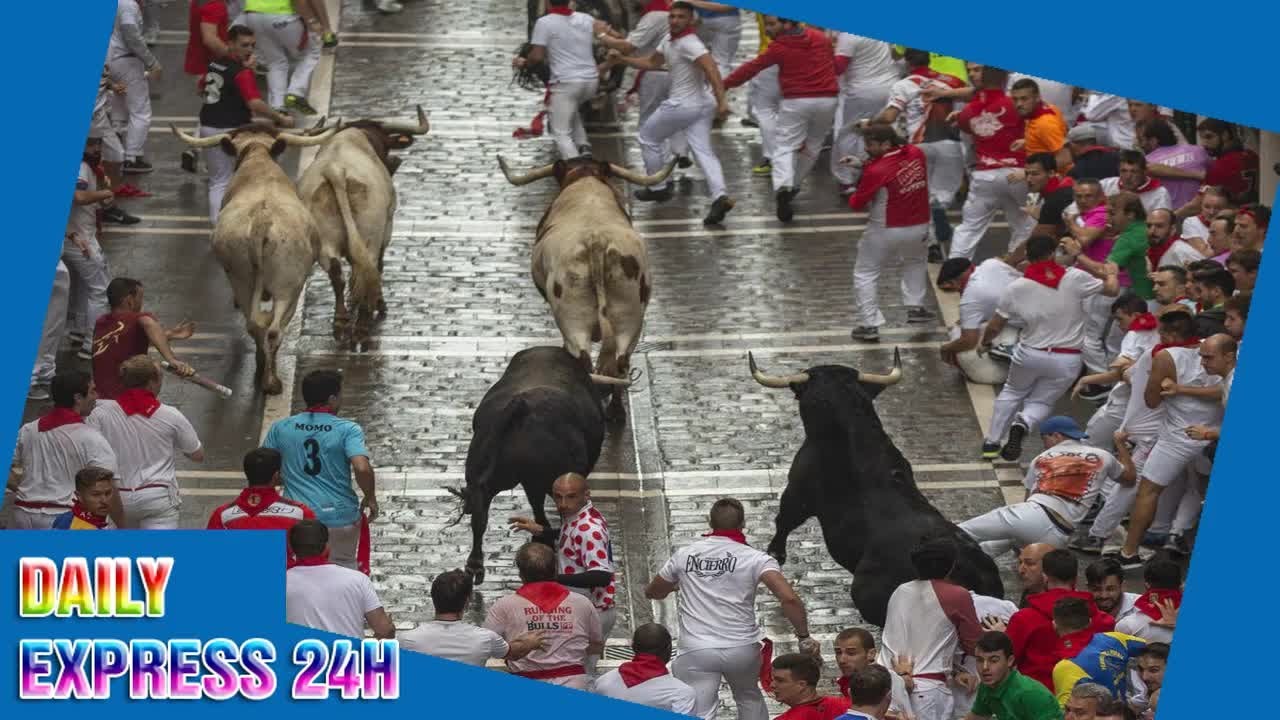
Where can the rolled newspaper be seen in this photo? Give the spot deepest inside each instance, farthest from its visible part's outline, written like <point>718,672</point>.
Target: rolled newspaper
<point>205,383</point>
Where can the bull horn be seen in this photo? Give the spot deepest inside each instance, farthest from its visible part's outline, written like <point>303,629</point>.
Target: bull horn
<point>199,142</point>
<point>606,380</point>
<point>400,128</point>
<point>774,381</point>
<point>636,178</point>
<point>891,379</point>
<point>545,171</point>
<point>302,140</point>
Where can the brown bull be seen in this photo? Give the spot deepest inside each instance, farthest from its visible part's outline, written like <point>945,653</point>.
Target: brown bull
<point>265,237</point>
<point>591,265</point>
<point>349,191</point>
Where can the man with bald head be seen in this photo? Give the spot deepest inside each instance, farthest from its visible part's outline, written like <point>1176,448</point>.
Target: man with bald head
<point>1030,571</point>
<point>645,679</point>
<point>584,555</point>
<point>569,624</point>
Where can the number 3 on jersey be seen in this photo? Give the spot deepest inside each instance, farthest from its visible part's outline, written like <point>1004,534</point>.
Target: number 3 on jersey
<point>312,449</point>
<point>212,88</point>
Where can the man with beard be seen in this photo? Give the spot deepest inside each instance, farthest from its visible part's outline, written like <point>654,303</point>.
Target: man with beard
<point>1164,245</point>
<point>1104,579</point>
<point>1053,194</point>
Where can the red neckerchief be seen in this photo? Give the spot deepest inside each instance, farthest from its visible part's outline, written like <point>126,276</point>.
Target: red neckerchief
<point>562,10</point>
<point>1147,602</point>
<point>1192,342</point>
<point>58,417</point>
<point>734,535</point>
<point>1142,321</point>
<point>255,499</point>
<point>546,595</point>
<point>1040,111</point>
<point>138,401</point>
<point>99,522</point>
<point>682,33</point>
<point>656,6</point>
<point>1046,272</point>
<point>843,683</point>
<point>1155,252</point>
<point>643,667</point>
<point>1149,185</point>
<point>321,559</point>
<point>1092,148</point>
<point>1056,183</point>
<point>320,409</point>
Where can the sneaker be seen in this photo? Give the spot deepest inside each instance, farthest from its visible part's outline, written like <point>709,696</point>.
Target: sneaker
<point>329,40</point>
<point>1154,540</point>
<point>137,167</point>
<point>651,195</point>
<point>1001,352</point>
<point>783,198</point>
<point>750,122</point>
<point>764,168</point>
<point>866,333</point>
<point>990,450</point>
<point>683,162</point>
<point>389,6</point>
<point>847,190</point>
<point>38,393</point>
<point>935,254</point>
<point>117,215</point>
<point>1088,544</point>
<point>300,104</point>
<point>1013,449</point>
<point>719,209</point>
<point>85,352</point>
<point>916,315</point>
<point>1128,563</point>
<point>190,160</point>
<point>1094,393</point>
<point>1178,544</point>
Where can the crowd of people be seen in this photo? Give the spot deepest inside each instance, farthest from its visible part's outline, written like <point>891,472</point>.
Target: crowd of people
<point>1126,282</point>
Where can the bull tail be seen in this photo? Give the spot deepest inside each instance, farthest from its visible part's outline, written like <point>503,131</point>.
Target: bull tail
<point>262,306</point>
<point>365,280</point>
<point>599,281</point>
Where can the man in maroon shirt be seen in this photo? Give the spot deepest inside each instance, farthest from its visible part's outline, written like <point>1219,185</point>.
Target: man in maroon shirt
<point>807,77</point>
<point>126,331</point>
<point>895,184</point>
<point>996,126</point>
<point>1234,167</point>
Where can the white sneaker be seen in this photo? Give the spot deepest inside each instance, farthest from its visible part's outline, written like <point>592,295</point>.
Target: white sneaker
<point>389,6</point>
<point>38,393</point>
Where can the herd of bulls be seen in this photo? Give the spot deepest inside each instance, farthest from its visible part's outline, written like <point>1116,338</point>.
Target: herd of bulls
<point>547,415</point>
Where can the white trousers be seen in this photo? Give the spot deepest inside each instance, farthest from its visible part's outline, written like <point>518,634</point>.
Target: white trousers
<point>1036,380</point>
<point>607,620</point>
<point>881,244</point>
<point>865,103</point>
<point>945,162</point>
<point>803,123</point>
<point>55,325</point>
<point>739,666</point>
<point>984,369</point>
<point>1103,424</point>
<point>764,98</point>
<point>1170,459</point>
<point>990,191</point>
<point>221,167</point>
<point>1118,499</point>
<point>567,130</point>
<point>722,35</point>
<point>24,519</point>
<point>134,104</point>
<point>694,120</point>
<point>1014,526</point>
<point>654,87</point>
<point>87,299</point>
<point>344,545</point>
<point>280,47</point>
<point>932,700</point>
<point>151,508</point>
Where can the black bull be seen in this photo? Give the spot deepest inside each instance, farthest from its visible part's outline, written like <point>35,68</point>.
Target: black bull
<point>849,475</point>
<point>542,419</point>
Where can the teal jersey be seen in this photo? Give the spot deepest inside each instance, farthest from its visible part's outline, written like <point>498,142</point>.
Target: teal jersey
<point>317,448</point>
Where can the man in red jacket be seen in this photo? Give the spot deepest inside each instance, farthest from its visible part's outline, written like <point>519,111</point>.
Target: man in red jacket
<point>1035,642</point>
<point>795,684</point>
<point>260,506</point>
<point>807,76</point>
<point>996,126</point>
<point>895,184</point>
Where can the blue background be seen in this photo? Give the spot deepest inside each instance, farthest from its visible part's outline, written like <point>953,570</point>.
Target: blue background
<point>1211,59</point>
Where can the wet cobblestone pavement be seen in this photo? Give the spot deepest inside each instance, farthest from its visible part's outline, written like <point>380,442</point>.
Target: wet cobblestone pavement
<point>461,302</point>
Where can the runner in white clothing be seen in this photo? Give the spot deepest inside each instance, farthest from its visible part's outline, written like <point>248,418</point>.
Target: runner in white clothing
<point>720,636</point>
<point>867,72</point>
<point>644,679</point>
<point>980,288</point>
<point>1048,303</point>
<point>321,595</point>
<point>562,38</point>
<point>447,636</point>
<point>696,98</point>
<point>145,434</point>
<point>132,64</point>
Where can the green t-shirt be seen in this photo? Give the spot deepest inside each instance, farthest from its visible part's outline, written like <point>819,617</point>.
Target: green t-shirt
<point>1130,253</point>
<point>1017,697</point>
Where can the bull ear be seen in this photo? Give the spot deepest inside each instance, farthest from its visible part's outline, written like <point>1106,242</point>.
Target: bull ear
<point>279,146</point>
<point>228,147</point>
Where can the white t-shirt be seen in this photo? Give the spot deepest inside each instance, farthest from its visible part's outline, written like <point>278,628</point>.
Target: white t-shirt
<point>1156,198</point>
<point>871,63</point>
<point>1180,253</point>
<point>567,39</point>
<point>688,81</point>
<point>649,32</point>
<point>1128,605</point>
<point>1050,317</point>
<point>1132,346</point>
<point>1141,625</point>
<point>1226,383</point>
<point>664,692</point>
<point>145,446</point>
<point>717,579</point>
<point>329,597</point>
<point>454,640</point>
<point>128,12</point>
<point>51,459</point>
<point>1194,227</point>
<point>1184,411</point>
<point>1141,421</point>
<point>1067,477</point>
<point>83,219</point>
<point>983,292</point>
<point>1112,112</point>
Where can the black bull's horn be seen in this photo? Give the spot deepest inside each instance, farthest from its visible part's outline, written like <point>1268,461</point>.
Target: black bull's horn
<point>784,381</point>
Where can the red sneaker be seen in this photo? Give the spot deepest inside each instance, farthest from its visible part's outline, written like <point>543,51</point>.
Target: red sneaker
<point>131,191</point>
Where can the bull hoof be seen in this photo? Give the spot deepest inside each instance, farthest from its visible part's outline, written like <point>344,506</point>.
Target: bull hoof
<point>273,387</point>
<point>779,555</point>
<point>382,309</point>
<point>476,573</point>
<point>616,412</point>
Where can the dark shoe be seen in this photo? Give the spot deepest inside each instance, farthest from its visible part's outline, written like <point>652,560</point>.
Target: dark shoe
<point>38,393</point>
<point>1154,540</point>
<point>749,122</point>
<point>918,315</point>
<point>189,160</point>
<point>866,334</point>
<point>299,104</point>
<point>651,195</point>
<point>1013,449</point>
<point>719,209</point>
<point>1094,393</point>
<point>935,254</point>
<point>137,167</point>
<point>1128,563</point>
<point>115,214</point>
<point>1178,545</point>
<point>990,450</point>
<point>683,162</point>
<point>1088,544</point>
<point>785,211</point>
<point>584,151</point>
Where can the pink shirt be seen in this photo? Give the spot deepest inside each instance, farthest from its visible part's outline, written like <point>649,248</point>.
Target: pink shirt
<point>1183,157</point>
<point>569,629</point>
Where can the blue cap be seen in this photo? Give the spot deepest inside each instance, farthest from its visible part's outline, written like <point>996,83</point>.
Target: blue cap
<point>1063,425</point>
